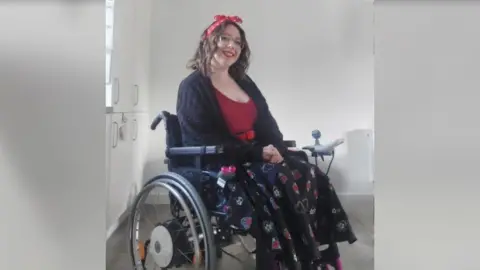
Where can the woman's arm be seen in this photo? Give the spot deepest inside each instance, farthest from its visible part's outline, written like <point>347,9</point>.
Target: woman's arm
<point>198,128</point>
<point>267,127</point>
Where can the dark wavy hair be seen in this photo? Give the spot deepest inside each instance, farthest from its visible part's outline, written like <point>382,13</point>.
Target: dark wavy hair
<point>206,48</point>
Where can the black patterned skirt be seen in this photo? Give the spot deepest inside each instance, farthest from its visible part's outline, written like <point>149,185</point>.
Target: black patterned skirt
<point>291,209</point>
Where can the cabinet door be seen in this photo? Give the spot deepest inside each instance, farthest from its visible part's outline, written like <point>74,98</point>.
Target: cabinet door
<point>120,168</point>
<point>141,64</point>
<point>122,56</point>
<point>108,146</point>
<point>139,137</point>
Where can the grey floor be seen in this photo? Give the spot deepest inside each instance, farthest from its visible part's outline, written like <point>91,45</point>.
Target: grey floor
<point>358,256</point>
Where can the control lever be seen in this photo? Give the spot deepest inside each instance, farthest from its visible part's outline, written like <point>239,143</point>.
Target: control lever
<point>316,134</point>
<point>323,150</point>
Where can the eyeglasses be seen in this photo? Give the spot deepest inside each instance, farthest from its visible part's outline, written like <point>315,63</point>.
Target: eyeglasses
<point>224,41</point>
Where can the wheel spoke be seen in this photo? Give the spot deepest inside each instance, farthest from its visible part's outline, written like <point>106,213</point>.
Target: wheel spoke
<point>186,237</point>
<point>185,256</point>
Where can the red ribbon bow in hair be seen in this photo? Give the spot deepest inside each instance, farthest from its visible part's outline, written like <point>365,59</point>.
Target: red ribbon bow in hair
<point>219,19</point>
<point>229,18</point>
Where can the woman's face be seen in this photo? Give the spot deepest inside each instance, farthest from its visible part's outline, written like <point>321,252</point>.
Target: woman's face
<point>229,48</point>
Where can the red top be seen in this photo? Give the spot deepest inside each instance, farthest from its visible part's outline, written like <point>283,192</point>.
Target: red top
<point>238,116</point>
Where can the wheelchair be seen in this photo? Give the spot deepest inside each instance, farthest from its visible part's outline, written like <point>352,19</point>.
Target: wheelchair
<point>198,232</point>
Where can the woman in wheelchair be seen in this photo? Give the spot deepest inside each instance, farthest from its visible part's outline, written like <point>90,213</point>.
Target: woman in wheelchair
<point>285,203</point>
<point>288,205</point>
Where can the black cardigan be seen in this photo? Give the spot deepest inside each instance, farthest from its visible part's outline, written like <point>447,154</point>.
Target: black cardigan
<point>202,123</point>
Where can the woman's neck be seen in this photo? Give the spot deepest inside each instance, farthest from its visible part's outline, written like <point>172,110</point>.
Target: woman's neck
<point>220,75</point>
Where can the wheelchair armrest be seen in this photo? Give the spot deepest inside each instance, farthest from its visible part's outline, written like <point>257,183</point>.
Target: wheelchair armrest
<point>298,154</point>
<point>290,143</point>
<point>194,151</point>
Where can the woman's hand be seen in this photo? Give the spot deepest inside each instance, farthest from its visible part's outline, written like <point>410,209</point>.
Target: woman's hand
<point>277,157</point>
<point>271,154</point>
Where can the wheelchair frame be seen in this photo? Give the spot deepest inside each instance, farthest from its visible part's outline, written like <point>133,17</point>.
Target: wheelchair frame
<point>214,237</point>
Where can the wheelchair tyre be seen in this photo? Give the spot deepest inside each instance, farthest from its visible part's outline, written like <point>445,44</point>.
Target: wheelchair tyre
<point>203,244</point>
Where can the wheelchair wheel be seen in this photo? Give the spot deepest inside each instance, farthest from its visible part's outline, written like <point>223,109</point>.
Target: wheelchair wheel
<point>337,266</point>
<point>282,266</point>
<point>186,240</point>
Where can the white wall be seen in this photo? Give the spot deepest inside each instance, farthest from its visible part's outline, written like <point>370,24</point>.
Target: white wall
<point>427,67</point>
<point>312,57</point>
<point>52,135</point>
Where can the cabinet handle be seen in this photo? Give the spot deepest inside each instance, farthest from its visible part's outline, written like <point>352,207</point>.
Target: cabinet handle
<point>115,137</point>
<point>116,84</point>
<point>135,134</point>
<point>136,94</point>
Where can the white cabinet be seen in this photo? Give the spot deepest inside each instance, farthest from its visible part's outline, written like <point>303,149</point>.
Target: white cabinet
<point>140,129</point>
<point>128,122</point>
<point>108,146</point>
<point>130,57</point>
<point>123,56</point>
<point>141,64</point>
<point>120,168</point>
<point>127,151</point>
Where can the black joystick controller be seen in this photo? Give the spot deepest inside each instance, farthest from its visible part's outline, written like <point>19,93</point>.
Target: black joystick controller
<point>319,150</point>
<point>316,134</point>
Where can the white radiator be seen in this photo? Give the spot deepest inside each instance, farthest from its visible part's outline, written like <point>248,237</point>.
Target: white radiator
<point>360,157</point>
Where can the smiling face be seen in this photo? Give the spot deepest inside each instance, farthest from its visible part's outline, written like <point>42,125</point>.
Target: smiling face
<point>225,48</point>
<point>229,47</point>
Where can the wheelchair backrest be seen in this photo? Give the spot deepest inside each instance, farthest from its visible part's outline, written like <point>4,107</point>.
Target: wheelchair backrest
<point>172,129</point>
<point>173,139</point>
